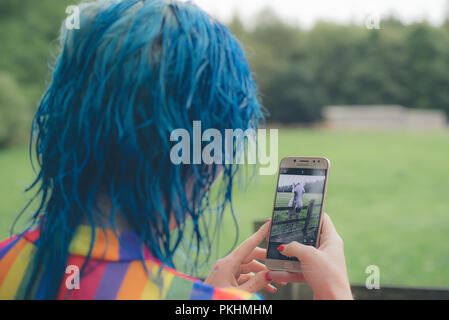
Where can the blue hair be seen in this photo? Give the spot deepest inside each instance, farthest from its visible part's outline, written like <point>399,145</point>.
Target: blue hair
<point>133,72</point>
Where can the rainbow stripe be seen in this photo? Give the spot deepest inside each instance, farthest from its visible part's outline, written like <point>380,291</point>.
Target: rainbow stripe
<point>115,271</point>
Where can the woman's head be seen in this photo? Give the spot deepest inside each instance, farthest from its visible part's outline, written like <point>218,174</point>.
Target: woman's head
<point>132,73</point>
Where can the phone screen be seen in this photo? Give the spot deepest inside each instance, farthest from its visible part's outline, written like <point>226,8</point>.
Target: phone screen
<point>297,209</point>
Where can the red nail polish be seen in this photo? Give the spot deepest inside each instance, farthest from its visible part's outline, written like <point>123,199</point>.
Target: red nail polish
<point>267,276</point>
<point>281,247</point>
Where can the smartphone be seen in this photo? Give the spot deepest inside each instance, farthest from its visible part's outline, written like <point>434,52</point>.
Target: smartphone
<point>298,207</point>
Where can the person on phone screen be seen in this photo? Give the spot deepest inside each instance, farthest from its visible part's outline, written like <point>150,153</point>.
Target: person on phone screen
<point>111,208</point>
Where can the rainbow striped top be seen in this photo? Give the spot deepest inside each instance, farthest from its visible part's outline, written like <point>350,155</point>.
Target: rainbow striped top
<point>116,271</point>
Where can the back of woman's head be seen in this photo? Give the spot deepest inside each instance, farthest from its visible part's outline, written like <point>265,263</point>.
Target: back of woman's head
<point>132,73</point>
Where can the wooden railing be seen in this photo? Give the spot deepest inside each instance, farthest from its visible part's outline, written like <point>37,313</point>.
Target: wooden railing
<point>306,219</point>
<point>301,291</point>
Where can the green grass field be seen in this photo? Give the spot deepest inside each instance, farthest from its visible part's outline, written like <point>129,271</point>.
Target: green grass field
<point>388,197</point>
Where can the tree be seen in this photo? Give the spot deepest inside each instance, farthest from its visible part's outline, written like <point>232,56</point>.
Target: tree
<point>300,71</point>
<point>14,112</point>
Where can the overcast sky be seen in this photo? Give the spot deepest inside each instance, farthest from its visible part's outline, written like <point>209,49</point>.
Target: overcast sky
<point>306,13</point>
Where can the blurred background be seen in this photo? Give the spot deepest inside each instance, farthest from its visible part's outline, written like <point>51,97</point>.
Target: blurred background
<point>364,83</point>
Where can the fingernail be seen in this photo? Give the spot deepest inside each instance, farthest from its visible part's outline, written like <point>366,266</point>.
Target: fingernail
<point>267,276</point>
<point>281,247</point>
<point>267,221</point>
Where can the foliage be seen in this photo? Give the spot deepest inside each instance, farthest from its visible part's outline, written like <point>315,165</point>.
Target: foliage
<point>29,30</point>
<point>13,110</point>
<point>29,39</point>
<point>300,71</point>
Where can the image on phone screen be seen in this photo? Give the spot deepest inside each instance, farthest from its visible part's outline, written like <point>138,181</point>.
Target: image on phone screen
<point>297,208</point>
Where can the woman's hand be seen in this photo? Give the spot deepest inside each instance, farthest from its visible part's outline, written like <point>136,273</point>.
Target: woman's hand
<point>240,269</point>
<point>323,269</point>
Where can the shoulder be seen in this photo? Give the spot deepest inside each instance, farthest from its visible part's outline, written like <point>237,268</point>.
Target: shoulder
<point>6,243</point>
<point>149,281</point>
<point>203,291</point>
<point>185,287</point>
<point>175,285</point>
<point>15,253</point>
<point>11,247</point>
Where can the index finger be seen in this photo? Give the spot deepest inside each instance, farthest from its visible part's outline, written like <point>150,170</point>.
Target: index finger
<point>248,246</point>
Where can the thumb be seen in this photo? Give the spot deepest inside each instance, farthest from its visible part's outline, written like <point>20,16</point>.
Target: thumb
<point>300,251</point>
<point>256,283</point>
